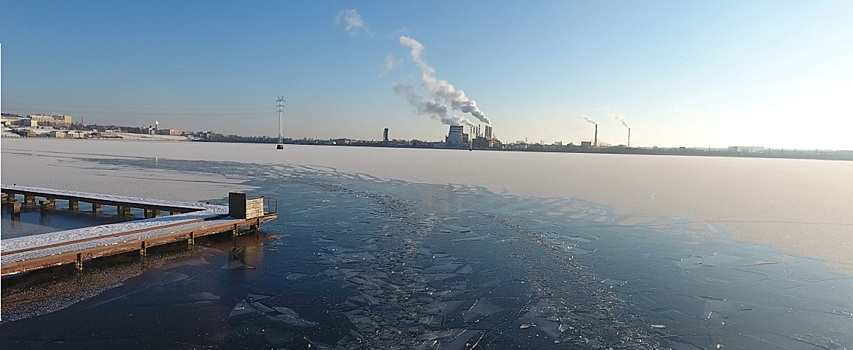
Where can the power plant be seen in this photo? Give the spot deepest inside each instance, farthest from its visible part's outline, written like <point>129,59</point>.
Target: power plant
<point>479,137</point>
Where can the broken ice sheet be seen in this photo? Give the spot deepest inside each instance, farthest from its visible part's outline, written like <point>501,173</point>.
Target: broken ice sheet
<point>242,308</point>
<point>480,310</point>
<point>253,305</point>
<point>442,308</point>
<point>443,268</point>
<point>204,296</point>
<point>290,317</point>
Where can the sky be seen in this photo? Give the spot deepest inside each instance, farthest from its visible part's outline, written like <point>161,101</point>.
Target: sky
<point>679,73</point>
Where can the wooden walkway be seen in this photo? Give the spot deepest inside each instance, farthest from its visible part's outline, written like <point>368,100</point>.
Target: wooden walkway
<point>191,220</point>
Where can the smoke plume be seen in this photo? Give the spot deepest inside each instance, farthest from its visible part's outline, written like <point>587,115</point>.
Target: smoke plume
<point>442,92</point>
<point>588,119</point>
<point>433,109</point>
<point>353,22</point>
<point>621,119</point>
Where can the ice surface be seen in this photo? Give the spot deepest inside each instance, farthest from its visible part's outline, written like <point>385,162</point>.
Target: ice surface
<point>367,262</point>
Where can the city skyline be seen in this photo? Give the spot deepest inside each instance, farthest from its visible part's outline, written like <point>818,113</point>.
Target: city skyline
<point>697,74</point>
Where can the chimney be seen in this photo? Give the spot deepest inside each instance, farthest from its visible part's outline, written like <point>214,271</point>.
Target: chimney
<point>629,137</point>
<point>595,141</point>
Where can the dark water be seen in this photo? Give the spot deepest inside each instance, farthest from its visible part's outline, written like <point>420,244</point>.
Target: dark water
<point>354,262</point>
<point>34,221</point>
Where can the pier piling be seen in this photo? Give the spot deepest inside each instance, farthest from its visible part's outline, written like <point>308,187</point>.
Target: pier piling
<point>16,210</point>
<point>129,237</point>
<point>49,203</point>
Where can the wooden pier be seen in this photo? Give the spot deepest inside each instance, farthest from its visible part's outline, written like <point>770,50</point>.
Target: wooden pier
<point>184,222</point>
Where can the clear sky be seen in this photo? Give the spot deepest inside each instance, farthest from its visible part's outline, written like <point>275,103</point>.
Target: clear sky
<point>681,73</point>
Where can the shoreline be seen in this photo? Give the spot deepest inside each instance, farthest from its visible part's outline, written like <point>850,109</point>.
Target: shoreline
<point>768,153</point>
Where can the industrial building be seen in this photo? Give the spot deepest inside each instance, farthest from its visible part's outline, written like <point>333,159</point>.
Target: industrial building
<point>456,138</point>
<point>479,138</point>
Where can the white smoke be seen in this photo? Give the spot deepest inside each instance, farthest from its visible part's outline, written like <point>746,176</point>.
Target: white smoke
<point>588,119</point>
<point>353,21</point>
<point>621,119</point>
<point>433,109</point>
<point>443,93</point>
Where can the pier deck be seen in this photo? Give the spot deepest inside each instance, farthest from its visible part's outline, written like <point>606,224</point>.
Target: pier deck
<point>22,254</point>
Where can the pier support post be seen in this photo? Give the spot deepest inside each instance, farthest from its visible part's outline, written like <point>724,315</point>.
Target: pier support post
<point>191,240</point>
<point>29,200</point>
<point>48,203</point>
<point>10,197</point>
<point>256,228</point>
<point>143,251</point>
<point>73,205</point>
<point>79,263</point>
<point>234,231</point>
<point>16,210</point>
<point>152,213</point>
<point>96,208</point>
<point>123,211</point>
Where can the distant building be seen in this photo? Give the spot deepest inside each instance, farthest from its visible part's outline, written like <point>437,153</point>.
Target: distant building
<point>170,132</point>
<point>54,120</point>
<point>385,136</point>
<point>747,149</point>
<point>13,120</point>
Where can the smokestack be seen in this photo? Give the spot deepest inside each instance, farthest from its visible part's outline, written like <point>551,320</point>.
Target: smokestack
<point>629,137</point>
<point>595,141</point>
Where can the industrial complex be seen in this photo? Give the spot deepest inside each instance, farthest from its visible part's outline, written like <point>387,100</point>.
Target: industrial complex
<point>477,137</point>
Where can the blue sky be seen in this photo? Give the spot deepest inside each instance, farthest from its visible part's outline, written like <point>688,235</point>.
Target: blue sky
<point>680,73</point>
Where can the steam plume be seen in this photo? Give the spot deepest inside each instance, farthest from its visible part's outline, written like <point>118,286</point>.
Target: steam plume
<point>443,93</point>
<point>353,22</point>
<point>433,109</point>
<point>588,119</point>
<point>621,119</point>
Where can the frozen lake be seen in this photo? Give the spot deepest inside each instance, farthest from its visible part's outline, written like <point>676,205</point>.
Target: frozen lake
<point>409,248</point>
